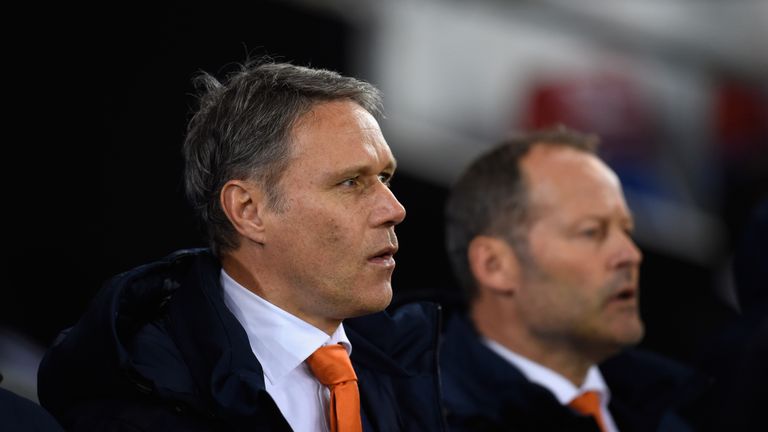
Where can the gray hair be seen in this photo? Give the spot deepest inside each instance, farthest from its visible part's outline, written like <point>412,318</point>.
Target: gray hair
<point>490,197</point>
<point>243,130</point>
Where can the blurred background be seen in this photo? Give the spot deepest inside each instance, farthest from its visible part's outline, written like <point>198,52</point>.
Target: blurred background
<point>100,95</point>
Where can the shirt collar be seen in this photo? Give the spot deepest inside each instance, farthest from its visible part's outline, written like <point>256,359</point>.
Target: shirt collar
<point>279,340</point>
<point>561,387</point>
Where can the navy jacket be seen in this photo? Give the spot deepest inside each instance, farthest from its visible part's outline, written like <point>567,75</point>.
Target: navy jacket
<point>20,414</point>
<point>483,392</point>
<point>158,350</point>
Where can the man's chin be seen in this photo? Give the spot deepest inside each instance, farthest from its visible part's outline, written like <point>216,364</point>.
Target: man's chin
<point>618,341</point>
<point>376,301</point>
<point>630,336</point>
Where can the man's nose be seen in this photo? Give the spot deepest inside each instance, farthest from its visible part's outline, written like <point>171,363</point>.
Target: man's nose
<point>388,210</point>
<point>627,253</point>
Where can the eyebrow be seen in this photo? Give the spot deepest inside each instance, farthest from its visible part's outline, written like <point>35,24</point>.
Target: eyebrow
<point>362,169</point>
<point>629,218</point>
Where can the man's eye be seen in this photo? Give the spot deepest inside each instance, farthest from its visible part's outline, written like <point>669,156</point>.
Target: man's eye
<point>591,233</point>
<point>386,179</point>
<point>350,182</point>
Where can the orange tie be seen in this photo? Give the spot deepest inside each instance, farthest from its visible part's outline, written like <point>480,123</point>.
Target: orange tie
<point>588,403</point>
<point>331,366</point>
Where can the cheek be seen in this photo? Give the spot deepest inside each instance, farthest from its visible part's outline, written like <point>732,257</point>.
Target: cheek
<point>318,226</point>
<point>572,287</point>
<point>332,233</point>
<point>334,241</point>
<point>340,233</point>
<point>567,267</point>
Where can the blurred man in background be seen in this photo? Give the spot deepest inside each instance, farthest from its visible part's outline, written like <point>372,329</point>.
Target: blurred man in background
<point>540,236</point>
<point>288,169</point>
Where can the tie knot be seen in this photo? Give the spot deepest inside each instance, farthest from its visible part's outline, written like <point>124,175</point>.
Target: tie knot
<point>330,365</point>
<point>587,403</point>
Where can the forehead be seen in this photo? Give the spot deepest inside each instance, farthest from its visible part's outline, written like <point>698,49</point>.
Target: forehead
<point>339,132</point>
<point>571,183</point>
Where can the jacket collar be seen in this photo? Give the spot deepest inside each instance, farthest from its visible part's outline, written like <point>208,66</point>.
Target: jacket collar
<point>641,399</point>
<point>486,391</point>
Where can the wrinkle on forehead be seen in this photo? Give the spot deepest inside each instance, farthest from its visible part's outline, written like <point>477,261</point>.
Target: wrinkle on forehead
<point>557,175</point>
<point>373,140</point>
<point>343,121</point>
<point>567,157</point>
<point>338,114</point>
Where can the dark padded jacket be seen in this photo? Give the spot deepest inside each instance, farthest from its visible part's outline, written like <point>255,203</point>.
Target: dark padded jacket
<point>158,350</point>
<point>20,414</point>
<point>483,392</point>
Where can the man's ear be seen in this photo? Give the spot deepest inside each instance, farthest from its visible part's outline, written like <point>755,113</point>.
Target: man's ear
<point>243,202</point>
<point>494,265</point>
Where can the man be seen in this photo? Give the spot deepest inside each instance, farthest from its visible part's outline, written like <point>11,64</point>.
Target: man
<point>289,171</point>
<point>540,235</point>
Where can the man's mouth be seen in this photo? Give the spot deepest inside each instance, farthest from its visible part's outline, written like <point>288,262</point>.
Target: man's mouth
<point>626,293</point>
<point>384,257</point>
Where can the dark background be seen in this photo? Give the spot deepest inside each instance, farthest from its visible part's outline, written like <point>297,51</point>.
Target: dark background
<point>100,98</point>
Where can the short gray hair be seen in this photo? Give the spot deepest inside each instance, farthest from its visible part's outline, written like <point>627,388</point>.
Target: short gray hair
<point>242,130</point>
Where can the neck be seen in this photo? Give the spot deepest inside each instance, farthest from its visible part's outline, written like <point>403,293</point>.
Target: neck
<point>495,319</point>
<point>244,269</point>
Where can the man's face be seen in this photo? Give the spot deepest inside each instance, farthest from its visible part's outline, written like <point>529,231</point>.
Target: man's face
<point>334,240</point>
<point>580,277</point>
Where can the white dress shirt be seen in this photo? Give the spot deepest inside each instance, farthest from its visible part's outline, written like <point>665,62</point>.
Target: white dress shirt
<point>281,342</point>
<point>561,387</point>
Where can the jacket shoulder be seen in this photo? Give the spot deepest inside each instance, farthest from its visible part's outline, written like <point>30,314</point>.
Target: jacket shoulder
<point>121,415</point>
<point>653,392</point>
<point>20,414</point>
